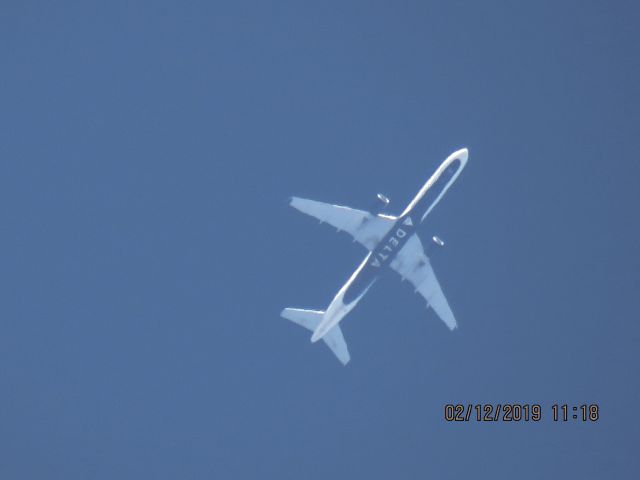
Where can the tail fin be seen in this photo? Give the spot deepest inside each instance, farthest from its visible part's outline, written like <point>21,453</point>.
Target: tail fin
<point>310,319</point>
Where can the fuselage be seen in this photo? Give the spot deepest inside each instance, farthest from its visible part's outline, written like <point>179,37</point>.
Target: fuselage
<point>385,251</point>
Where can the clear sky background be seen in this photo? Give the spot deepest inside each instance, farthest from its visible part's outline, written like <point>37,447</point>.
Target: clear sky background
<point>147,153</point>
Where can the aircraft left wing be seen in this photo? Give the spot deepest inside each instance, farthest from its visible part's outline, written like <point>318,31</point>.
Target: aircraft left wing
<point>412,264</point>
<point>365,228</point>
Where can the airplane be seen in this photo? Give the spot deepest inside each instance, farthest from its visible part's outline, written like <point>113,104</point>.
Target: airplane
<point>392,243</point>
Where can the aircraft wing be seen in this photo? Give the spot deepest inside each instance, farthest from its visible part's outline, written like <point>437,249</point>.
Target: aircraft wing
<point>365,228</point>
<point>412,264</point>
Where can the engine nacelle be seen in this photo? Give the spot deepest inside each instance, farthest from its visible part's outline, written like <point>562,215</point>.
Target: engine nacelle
<point>380,204</point>
<point>433,246</point>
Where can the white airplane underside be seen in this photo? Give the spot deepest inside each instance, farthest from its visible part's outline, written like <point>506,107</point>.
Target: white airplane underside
<point>392,243</point>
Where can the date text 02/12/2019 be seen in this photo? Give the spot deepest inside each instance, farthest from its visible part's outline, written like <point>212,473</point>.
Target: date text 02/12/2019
<point>519,412</point>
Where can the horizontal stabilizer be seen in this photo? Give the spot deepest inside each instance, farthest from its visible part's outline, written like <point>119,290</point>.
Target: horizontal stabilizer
<point>310,319</point>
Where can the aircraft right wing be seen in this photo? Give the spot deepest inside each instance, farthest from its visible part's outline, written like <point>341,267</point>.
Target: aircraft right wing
<point>365,228</point>
<point>412,264</point>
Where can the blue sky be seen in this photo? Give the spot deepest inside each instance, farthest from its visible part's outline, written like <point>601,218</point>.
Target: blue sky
<point>148,152</point>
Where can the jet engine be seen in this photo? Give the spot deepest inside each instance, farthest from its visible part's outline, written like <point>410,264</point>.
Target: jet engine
<point>380,204</point>
<point>433,246</point>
